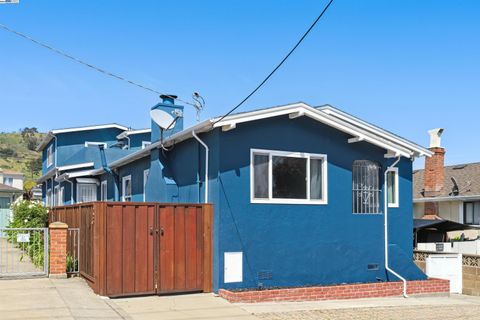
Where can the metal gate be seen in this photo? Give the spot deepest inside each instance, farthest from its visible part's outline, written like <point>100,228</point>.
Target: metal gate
<point>73,251</point>
<point>23,252</point>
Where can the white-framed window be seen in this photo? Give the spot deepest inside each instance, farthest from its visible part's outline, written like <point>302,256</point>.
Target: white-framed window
<point>86,192</point>
<point>127,188</point>
<point>288,177</point>
<point>104,191</point>
<point>145,177</point>
<point>95,144</point>
<point>392,188</point>
<point>58,195</point>
<point>48,198</point>
<point>8,181</point>
<point>50,155</point>
<point>366,187</point>
<point>146,144</point>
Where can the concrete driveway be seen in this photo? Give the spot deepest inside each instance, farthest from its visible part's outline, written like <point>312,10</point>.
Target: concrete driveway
<point>72,299</point>
<point>45,298</point>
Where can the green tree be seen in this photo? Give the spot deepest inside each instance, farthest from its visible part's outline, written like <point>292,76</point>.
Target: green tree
<point>29,136</point>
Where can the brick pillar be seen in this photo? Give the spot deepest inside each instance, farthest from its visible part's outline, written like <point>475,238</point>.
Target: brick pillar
<point>58,250</point>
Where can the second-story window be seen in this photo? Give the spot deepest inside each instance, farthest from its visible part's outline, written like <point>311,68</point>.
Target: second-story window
<point>127,188</point>
<point>50,155</point>
<point>366,186</point>
<point>8,181</point>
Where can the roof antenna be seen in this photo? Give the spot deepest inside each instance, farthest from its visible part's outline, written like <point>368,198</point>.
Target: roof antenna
<point>199,103</point>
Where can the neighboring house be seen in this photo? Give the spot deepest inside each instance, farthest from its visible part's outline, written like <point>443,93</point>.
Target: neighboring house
<point>447,192</point>
<point>11,178</point>
<point>300,193</point>
<point>8,195</point>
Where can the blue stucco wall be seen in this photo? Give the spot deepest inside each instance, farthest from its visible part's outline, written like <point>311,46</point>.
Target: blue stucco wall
<point>297,244</point>
<point>137,139</point>
<point>135,170</point>
<point>72,142</point>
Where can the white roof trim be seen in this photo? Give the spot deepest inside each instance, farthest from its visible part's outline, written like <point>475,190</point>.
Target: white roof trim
<point>132,132</point>
<point>381,132</point>
<point>321,117</point>
<point>76,166</point>
<point>369,133</point>
<point>445,199</point>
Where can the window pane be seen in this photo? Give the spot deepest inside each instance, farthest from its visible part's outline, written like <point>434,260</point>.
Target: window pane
<point>391,187</point>
<point>366,182</point>
<point>289,177</point>
<point>476,213</point>
<point>469,212</point>
<point>260,176</point>
<point>316,188</point>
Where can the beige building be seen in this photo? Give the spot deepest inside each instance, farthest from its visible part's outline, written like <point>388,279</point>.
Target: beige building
<point>11,178</point>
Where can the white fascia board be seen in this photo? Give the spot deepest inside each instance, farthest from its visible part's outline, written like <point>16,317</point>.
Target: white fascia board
<point>365,125</point>
<point>175,138</point>
<point>319,116</point>
<point>47,175</point>
<point>76,166</point>
<point>132,132</point>
<point>445,199</point>
<point>84,173</point>
<point>96,127</point>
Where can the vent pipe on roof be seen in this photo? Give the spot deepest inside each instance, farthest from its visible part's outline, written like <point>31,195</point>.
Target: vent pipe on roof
<point>435,137</point>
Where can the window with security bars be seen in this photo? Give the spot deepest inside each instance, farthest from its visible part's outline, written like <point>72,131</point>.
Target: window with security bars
<point>366,186</point>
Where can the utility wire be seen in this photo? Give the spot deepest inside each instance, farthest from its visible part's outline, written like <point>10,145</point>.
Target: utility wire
<point>279,65</point>
<point>105,72</point>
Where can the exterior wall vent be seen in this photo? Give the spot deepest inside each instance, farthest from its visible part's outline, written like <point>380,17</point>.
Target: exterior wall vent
<point>264,275</point>
<point>372,267</point>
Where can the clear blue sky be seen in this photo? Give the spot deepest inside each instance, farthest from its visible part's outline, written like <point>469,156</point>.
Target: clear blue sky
<point>405,65</point>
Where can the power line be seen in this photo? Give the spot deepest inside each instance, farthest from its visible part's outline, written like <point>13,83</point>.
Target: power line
<point>105,72</point>
<point>278,66</point>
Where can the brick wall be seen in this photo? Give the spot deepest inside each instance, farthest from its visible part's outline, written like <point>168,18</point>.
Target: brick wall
<point>340,292</point>
<point>58,250</point>
<point>434,174</point>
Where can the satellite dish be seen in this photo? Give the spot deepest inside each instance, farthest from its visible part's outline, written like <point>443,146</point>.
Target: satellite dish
<point>162,118</point>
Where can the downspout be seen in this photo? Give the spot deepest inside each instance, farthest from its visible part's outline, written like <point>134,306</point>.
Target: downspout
<point>128,139</point>
<point>385,197</point>
<point>206,163</point>
<point>108,170</point>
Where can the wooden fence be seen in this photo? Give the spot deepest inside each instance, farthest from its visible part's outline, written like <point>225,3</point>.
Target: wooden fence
<point>142,248</point>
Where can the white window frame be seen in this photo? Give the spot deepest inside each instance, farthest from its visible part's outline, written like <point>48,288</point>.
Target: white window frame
<point>145,176</point>
<point>50,155</point>
<point>305,155</point>
<point>93,144</point>
<point>104,193</point>
<point>397,200</point>
<point>8,181</point>
<point>48,197</point>
<point>146,144</point>
<point>124,179</point>
<point>78,192</point>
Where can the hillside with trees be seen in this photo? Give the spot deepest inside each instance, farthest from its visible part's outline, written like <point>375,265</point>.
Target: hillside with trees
<point>17,152</point>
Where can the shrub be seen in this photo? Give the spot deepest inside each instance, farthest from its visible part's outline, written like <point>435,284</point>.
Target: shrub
<point>30,214</point>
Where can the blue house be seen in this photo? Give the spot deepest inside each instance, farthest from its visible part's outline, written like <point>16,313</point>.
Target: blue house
<point>302,195</point>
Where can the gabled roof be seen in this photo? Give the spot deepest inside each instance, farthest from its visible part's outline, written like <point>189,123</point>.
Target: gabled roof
<point>11,172</point>
<point>466,176</point>
<point>358,129</point>
<point>5,188</point>
<point>52,133</point>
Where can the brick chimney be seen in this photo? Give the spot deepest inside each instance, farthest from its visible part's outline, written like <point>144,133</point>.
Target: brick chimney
<point>434,174</point>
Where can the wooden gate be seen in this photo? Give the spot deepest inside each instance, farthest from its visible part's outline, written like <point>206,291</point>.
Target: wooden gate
<point>144,248</point>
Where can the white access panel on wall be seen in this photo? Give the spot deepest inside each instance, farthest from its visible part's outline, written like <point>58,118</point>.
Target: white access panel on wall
<point>233,267</point>
<point>446,266</point>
